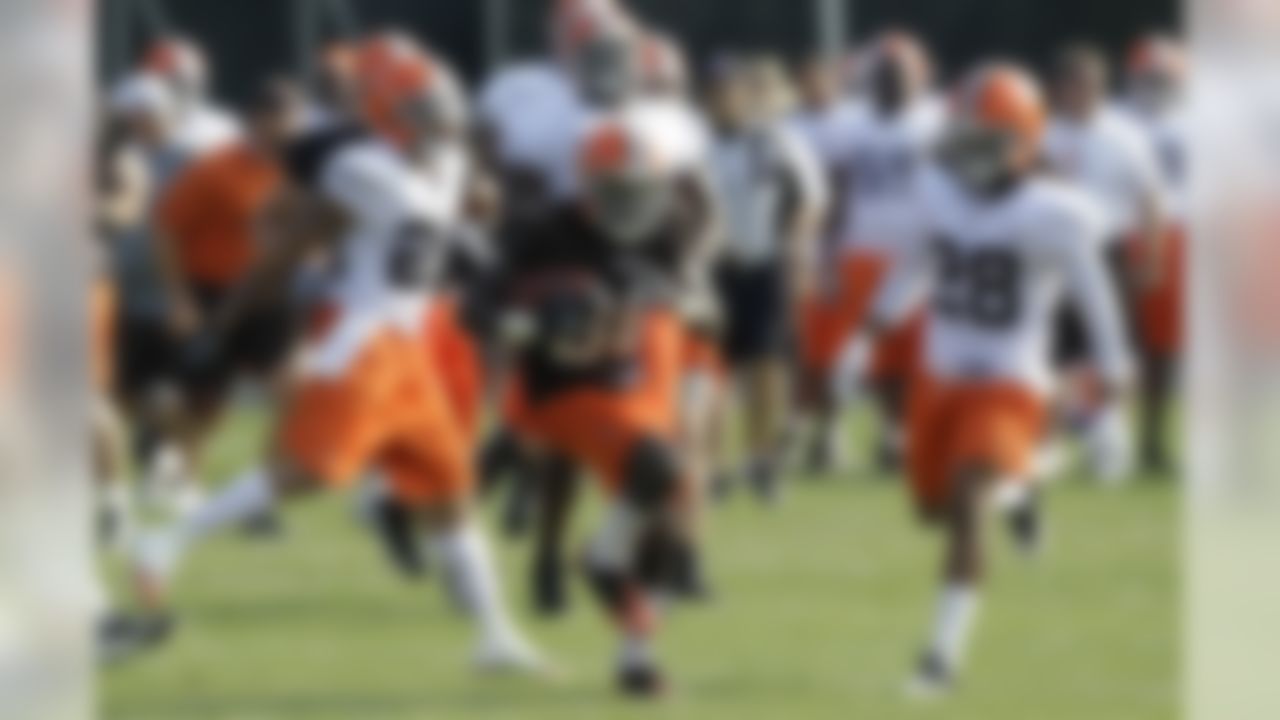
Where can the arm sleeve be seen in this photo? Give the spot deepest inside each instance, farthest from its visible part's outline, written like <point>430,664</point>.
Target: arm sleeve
<point>806,173</point>
<point>905,288</point>
<point>911,275</point>
<point>1081,249</point>
<point>1145,181</point>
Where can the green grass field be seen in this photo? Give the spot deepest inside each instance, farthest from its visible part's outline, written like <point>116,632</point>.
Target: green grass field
<point>822,605</point>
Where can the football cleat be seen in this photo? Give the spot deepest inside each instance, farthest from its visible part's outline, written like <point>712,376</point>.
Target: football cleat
<point>642,682</point>
<point>932,679</point>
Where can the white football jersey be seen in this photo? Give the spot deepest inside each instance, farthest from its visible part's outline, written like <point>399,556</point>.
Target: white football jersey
<point>205,128</point>
<point>880,158</point>
<point>1109,158</point>
<point>398,216</point>
<point>820,130</point>
<point>1167,133</point>
<point>993,272</point>
<point>678,131</point>
<point>537,119</point>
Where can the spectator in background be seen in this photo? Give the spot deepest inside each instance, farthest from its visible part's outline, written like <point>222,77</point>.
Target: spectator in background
<point>774,195</point>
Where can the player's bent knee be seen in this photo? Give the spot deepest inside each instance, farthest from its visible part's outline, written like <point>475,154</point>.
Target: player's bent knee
<point>652,474</point>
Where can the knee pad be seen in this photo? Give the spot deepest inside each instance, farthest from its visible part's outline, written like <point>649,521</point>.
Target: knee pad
<point>652,474</point>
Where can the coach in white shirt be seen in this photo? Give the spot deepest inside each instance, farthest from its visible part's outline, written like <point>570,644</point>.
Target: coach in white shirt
<point>774,195</point>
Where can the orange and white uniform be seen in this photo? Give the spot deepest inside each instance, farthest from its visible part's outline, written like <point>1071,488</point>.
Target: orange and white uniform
<point>881,158</point>
<point>452,346</point>
<point>1107,157</point>
<point>994,271</point>
<point>1161,307</point>
<point>369,394</point>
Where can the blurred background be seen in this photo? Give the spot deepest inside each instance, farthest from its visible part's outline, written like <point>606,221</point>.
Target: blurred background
<point>479,34</point>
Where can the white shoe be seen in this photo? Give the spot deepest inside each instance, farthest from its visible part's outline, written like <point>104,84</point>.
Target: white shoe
<point>154,557</point>
<point>512,655</point>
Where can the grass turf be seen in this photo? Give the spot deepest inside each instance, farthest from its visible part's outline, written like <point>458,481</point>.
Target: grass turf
<point>822,604</point>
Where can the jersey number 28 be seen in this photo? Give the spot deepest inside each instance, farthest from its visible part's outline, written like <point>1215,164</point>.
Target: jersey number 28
<point>979,285</point>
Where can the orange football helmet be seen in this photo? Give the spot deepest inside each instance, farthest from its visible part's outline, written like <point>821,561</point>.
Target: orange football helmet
<point>405,94</point>
<point>1005,98</point>
<point>625,180</point>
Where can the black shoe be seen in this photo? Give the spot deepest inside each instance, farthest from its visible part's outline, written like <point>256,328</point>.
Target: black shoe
<point>642,682</point>
<point>1156,463</point>
<point>1026,526</point>
<point>765,480</point>
<point>550,595</point>
<point>519,505</point>
<point>820,459</point>
<point>123,636</point>
<point>931,679</point>
<point>721,486</point>
<point>889,458</point>
<point>688,580</point>
<point>263,526</point>
<point>394,526</point>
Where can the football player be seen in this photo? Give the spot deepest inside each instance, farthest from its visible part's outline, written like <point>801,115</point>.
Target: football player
<point>589,310</point>
<point>205,234</point>
<point>1093,145</point>
<point>881,149</point>
<point>1156,75</point>
<point>530,115</point>
<point>1001,245</point>
<point>368,395</point>
<point>201,125</point>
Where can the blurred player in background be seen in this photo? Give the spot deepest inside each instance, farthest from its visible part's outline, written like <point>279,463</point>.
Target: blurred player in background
<point>141,133</point>
<point>200,125</point>
<point>367,395</point>
<point>1094,146</point>
<point>774,194</point>
<point>1155,99</point>
<point>823,110</point>
<point>881,149</point>
<point>206,228</point>
<point>1002,244</point>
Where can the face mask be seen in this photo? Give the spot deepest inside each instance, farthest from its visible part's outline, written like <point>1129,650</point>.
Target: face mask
<point>889,86</point>
<point>630,210</point>
<point>604,72</point>
<point>977,157</point>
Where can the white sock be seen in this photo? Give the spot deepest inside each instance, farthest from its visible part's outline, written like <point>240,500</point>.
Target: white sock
<point>469,570</point>
<point>635,652</point>
<point>957,609</point>
<point>1109,440</point>
<point>247,496</point>
<point>614,545</point>
<point>1012,495</point>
